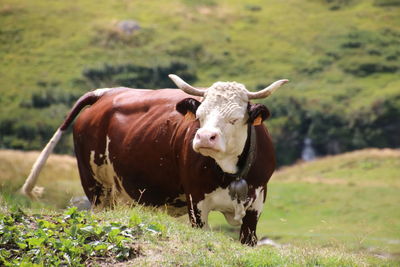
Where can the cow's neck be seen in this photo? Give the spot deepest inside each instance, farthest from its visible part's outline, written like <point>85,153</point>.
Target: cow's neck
<point>246,159</point>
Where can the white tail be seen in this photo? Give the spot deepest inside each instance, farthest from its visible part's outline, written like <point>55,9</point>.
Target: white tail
<point>28,187</point>
<point>89,98</point>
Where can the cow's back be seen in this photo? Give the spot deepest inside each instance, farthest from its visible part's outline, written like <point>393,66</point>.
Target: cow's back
<point>125,141</point>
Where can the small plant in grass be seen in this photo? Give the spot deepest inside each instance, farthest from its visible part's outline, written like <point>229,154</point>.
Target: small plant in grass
<point>74,238</point>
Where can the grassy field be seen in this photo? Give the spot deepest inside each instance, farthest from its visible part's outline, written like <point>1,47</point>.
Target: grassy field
<point>335,211</point>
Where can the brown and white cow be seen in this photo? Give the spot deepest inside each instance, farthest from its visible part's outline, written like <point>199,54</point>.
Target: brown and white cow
<point>192,150</point>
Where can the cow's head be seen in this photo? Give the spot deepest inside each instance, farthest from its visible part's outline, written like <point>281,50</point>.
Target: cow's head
<point>224,114</point>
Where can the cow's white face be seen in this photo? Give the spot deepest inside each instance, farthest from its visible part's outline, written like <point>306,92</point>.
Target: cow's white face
<point>223,115</point>
<point>223,124</point>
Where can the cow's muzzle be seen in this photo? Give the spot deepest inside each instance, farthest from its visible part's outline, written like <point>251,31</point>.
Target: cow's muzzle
<point>206,139</point>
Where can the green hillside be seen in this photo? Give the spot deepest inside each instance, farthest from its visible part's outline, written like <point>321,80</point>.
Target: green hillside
<point>341,56</point>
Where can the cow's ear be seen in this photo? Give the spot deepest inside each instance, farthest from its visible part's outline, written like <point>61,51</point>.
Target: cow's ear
<point>187,105</point>
<point>257,113</point>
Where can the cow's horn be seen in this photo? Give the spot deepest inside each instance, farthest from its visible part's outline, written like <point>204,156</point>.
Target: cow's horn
<point>266,91</point>
<point>185,86</point>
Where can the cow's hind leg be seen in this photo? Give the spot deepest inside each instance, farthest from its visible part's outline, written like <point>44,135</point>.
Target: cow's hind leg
<point>95,191</point>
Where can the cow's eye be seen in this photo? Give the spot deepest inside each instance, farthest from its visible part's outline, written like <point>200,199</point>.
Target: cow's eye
<point>233,121</point>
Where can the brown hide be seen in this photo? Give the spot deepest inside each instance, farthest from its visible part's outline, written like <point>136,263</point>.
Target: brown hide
<point>151,150</point>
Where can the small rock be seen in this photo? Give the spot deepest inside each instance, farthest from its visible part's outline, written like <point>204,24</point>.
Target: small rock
<point>82,203</point>
<point>128,27</point>
<point>269,242</point>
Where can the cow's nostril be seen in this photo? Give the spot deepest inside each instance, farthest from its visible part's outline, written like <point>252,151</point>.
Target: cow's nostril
<point>213,137</point>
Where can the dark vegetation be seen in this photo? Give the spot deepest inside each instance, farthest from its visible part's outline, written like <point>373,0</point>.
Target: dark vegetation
<point>74,238</point>
<point>343,64</point>
<point>335,132</point>
<point>134,76</point>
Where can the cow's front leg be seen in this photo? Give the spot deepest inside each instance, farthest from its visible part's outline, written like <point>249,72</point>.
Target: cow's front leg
<point>198,213</point>
<point>248,230</point>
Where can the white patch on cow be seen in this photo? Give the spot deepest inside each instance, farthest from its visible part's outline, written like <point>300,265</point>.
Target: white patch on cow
<point>107,177</point>
<point>220,200</point>
<point>100,92</point>
<point>228,164</point>
<point>234,211</point>
<point>258,203</point>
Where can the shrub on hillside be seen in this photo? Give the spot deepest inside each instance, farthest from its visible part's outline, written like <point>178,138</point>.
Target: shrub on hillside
<point>137,76</point>
<point>48,96</point>
<point>337,4</point>
<point>365,53</point>
<point>30,128</point>
<point>385,3</point>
